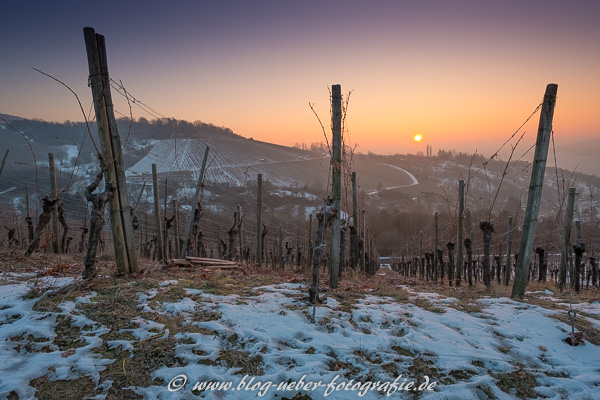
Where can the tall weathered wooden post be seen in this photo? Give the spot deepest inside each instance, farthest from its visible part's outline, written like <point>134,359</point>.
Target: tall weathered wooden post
<point>535,190</point>
<point>110,144</point>
<point>459,233</point>
<point>336,181</point>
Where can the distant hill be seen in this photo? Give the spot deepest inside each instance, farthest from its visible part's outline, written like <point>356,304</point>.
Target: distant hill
<point>295,180</point>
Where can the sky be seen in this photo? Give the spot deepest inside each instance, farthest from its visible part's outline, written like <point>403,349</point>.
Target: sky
<point>464,74</point>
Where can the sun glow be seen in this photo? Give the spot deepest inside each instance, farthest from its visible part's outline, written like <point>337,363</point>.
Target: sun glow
<point>418,137</point>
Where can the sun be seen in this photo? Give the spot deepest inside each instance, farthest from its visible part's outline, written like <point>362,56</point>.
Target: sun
<point>418,137</point>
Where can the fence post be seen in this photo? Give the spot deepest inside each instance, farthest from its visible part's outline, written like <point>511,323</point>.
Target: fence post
<point>110,143</point>
<point>535,190</point>
<point>336,182</point>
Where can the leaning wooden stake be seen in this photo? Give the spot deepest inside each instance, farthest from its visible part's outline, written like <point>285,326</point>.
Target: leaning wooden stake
<point>110,144</point>
<point>535,190</point>
<point>336,182</point>
<point>188,232</point>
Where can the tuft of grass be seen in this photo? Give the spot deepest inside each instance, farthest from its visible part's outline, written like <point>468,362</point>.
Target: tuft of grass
<point>241,359</point>
<point>64,389</point>
<point>67,335</point>
<point>470,307</point>
<point>427,305</point>
<point>403,352</point>
<point>518,383</point>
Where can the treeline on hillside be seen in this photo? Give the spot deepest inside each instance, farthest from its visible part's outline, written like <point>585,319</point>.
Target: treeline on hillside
<point>69,132</point>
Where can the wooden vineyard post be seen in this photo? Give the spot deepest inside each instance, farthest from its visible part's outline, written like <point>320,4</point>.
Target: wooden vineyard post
<point>176,222</point>
<point>567,240</point>
<point>110,144</point>
<point>188,231</point>
<point>535,190</point>
<point>459,233</point>
<point>259,221</point>
<point>336,182</point>
<point>54,195</point>
<point>159,239</point>
<point>508,252</point>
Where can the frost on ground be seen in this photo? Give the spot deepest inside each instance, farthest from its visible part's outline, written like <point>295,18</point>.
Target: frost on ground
<point>135,338</point>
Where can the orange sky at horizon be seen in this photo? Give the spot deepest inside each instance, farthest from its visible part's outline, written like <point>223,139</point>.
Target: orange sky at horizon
<point>465,75</point>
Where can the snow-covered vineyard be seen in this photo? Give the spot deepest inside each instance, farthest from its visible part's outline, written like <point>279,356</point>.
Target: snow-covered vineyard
<point>168,337</point>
